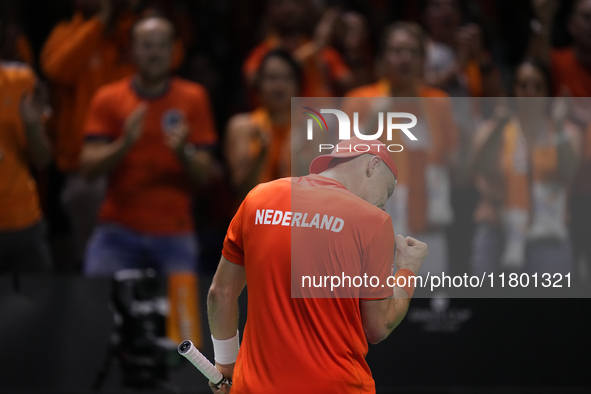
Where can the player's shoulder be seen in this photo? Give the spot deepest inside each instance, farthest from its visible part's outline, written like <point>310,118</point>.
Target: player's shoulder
<point>271,188</point>
<point>359,207</point>
<point>339,198</point>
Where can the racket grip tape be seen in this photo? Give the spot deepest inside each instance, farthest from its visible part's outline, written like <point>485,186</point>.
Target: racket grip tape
<point>190,352</point>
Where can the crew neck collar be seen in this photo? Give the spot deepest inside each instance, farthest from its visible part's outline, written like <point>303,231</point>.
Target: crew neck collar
<point>147,96</point>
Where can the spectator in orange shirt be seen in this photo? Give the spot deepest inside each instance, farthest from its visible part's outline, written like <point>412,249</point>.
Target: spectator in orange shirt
<point>23,142</point>
<point>571,73</point>
<point>306,343</point>
<point>457,61</point>
<point>148,133</point>
<point>325,73</point>
<point>525,162</point>
<point>257,144</point>
<point>571,66</point>
<point>418,194</point>
<point>81,55</point>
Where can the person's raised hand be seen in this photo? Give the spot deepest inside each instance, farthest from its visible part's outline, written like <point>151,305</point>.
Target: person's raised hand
<point>356,32</point>
<point>325,29</point>
<point>410,253</point>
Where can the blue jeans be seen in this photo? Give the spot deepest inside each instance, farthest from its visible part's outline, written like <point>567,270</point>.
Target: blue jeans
<point>113,247</point>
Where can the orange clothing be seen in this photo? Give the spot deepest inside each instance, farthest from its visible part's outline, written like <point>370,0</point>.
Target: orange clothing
<point>24,51</point>
<point>78,58</point>
<point>305,345</point>
<point>568,72</point>
<point>19,200</point>
<point>412,163</point>
<point>278,161</point>
<point>148,191</point>
<point>317,78</point>
<point>474,78</point>
<point>382,89</point>
<point>519,165</point>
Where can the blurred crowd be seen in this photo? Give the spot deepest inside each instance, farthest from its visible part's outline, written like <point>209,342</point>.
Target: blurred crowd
<point>131,130</point>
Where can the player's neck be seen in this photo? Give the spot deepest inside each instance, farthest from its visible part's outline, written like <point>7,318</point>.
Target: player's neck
<point>151,86</point>
<point>339,176</point>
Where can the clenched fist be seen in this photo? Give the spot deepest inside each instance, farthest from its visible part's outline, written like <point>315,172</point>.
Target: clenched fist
<point>410,253</point>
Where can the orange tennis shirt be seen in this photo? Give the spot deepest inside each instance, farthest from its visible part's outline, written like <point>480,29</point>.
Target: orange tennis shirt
<point>19,201</point>
<point>149,191</point>
<point>305,345</point>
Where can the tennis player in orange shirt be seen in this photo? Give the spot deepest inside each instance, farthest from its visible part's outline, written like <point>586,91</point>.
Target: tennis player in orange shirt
<point>314,344</point>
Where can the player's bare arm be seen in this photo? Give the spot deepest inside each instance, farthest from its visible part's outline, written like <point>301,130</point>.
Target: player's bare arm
<point>99,158</point>
<point>222,305</point>
<point>381,317</point>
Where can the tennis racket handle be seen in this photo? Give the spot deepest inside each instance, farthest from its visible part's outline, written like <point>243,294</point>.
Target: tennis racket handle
<point>190,352</point>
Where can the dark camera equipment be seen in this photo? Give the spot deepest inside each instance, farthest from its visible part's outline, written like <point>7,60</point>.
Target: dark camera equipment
<point>138,342</point>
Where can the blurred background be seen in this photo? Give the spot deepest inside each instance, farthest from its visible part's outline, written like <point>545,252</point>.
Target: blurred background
<point>504,185</point>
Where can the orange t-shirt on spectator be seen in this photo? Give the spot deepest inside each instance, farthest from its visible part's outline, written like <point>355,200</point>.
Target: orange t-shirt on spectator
<point>291,345</point>
<point>19,200</point>
<point>149,191</point>
<point>78,58</point>
<point>568,72</point>
<point>317,79</point>
<point>412,163</point>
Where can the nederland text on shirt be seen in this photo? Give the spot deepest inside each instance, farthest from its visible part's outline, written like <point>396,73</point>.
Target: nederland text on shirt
<point>298,219</point>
